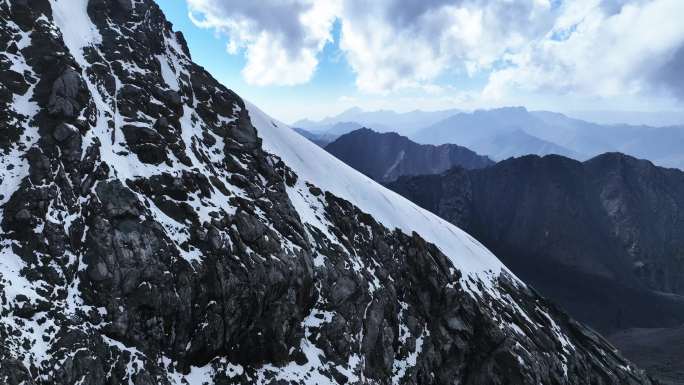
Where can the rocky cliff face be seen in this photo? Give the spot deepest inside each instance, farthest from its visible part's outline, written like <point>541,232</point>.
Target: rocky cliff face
<point>149,237</point>
<point>385,157</point>
<point>604,238</point>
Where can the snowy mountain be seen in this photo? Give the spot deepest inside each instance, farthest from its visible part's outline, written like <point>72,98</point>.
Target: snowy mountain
<point>157,229</point>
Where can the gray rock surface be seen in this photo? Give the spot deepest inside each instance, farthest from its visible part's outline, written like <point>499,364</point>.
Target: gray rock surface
<point>69,94</point>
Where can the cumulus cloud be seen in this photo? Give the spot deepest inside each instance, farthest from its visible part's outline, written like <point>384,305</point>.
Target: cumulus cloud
<point>596,47</point>
<point>394,44</point>
<point>607,48</point>
<point>671,75</point>
<point>281,38</point>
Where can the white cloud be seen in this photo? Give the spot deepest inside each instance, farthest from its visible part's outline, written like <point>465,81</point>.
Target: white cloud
<point>598,50</point>
<point>583,47</point>
<point>281,38</point>
<point>394,44</point>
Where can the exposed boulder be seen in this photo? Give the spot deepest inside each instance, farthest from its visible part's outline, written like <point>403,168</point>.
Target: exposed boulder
<point>69,95</point>
<point>13,372</point>
<point>64,131</point>
<point>125,5</point>
<point>147,143</point>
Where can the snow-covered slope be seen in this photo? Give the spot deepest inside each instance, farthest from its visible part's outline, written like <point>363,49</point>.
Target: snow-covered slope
<point>316,166</point>
<point>149,236</point>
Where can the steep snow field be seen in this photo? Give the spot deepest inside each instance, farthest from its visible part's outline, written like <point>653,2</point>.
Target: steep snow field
<point>313,164</point>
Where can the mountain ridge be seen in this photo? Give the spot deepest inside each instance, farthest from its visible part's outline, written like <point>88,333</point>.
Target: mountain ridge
<point>569,136</point>
<point>380,120</point>
<point>507,132</point>
<point>609,254</point>
<point>386,156</point>
<point>157,229</point>
<point>595,217</point>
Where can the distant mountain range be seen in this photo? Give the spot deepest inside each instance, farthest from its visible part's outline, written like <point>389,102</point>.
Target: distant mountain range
<point>638,118</point>
<point>513,131</point>
<point>386,156</point>
<point>321,138</point>
<point>404,123</point>
<point>518,143</point>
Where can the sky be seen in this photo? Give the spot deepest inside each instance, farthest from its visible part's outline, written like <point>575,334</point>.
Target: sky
<point>315,58</point>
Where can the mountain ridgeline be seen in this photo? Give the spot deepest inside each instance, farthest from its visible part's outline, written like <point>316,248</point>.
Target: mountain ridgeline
<point>385,157</point>
<point>514,131</point>
<point>404,123</point>
<point>158,229</point>
<point>603,238</point>
<point>507,132</point>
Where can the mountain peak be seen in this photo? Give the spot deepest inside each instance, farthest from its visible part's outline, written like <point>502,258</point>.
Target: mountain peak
<point>386,156</point>
<point>504,111</point>
<point>351,111</point>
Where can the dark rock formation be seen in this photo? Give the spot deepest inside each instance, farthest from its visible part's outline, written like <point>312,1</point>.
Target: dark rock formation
<point>69,94</point>
<point>604,238</point>
<point>166,247</point>
<point>385,157</point>
<point>658,349</point>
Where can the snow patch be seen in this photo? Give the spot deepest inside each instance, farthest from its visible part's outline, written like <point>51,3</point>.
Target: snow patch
<point>168,74</point>
<point>394,165</point>
<point>78,31</point>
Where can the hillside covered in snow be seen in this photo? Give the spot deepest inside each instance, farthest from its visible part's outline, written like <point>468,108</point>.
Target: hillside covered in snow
<point>157,229</point>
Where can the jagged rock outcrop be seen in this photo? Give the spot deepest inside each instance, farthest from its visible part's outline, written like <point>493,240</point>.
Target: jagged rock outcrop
<point>149,237</point>
<point>69,94</point>
<point>387,156</point>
